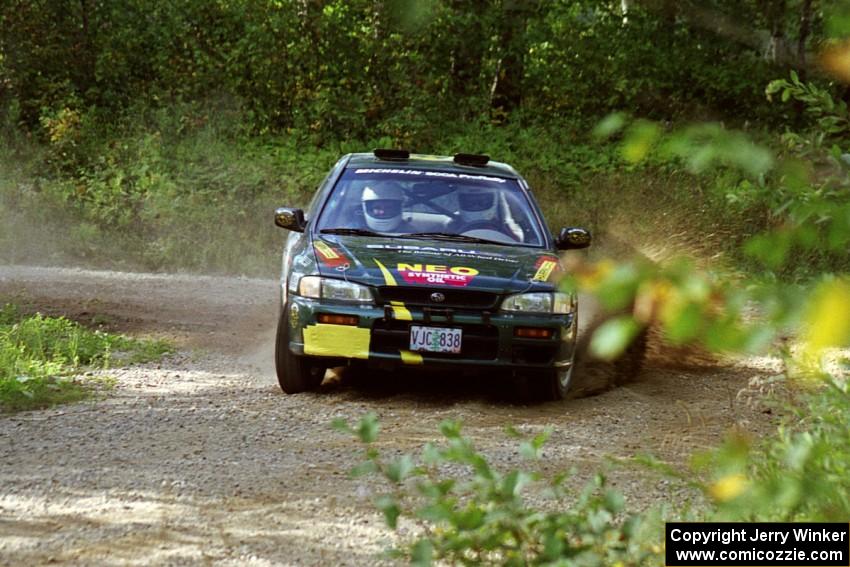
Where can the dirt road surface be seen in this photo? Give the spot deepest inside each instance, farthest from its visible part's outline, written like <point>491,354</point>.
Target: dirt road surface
<point>200,459</point>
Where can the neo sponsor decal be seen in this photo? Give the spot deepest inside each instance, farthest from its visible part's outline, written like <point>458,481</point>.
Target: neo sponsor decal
<point>434,274</point>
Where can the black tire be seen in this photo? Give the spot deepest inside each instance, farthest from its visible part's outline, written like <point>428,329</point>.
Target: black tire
<point>544,385</point>
<point>295,373</point>
<point>556,384</point>
<point>551,385</point>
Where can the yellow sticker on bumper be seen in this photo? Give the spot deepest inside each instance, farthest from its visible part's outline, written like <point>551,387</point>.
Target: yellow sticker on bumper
<point>336,340</point>
<point>410,357</point>
<point>400,312</point>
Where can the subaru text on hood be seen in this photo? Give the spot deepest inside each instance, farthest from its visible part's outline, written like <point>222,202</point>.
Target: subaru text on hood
<point>424,261</point>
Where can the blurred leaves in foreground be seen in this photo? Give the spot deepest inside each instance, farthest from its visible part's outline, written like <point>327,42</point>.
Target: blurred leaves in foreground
<point>465,511</point>
<point>471,513</point>
<point>736,312</point>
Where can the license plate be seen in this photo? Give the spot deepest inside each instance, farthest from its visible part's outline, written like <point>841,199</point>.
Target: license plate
<point>434,339</point>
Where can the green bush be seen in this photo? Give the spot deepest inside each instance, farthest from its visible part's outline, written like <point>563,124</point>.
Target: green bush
<point>467,512</point>
<point>802,473</point>
<point>471,513</point>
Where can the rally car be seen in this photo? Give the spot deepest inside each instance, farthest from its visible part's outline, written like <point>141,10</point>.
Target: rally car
<point>407,260</point>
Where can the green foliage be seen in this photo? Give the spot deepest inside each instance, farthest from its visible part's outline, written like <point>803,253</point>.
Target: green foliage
<point>471,513</point>
<point>163,131</point>
<point>806,233</point>
<point>831,117</point>
<point>178,188</point>
<point>613,336</point>
<point>40,356</point>
<point>802,473</point>
<point>335,69</point>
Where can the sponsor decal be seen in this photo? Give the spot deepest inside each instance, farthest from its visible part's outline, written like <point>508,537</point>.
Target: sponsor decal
<point>424,173</point>
<point>328,255</point>
<point>545,265</point>
<point>443,252</point>
<point>434,274</point>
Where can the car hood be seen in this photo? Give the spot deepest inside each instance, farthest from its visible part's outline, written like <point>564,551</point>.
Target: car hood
<point>426,262</point>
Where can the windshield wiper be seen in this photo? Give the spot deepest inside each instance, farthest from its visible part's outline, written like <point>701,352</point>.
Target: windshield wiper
<point>451,236</point>
<point>352,232</point>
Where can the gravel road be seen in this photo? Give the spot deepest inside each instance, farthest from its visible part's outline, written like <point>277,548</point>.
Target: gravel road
<point>201,459</point>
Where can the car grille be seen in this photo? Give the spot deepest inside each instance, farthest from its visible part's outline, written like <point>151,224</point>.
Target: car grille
<point>479,342</point>
<point>455,298</point>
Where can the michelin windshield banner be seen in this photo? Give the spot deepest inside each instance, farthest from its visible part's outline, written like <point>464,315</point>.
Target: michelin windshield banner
<point>757,544</point>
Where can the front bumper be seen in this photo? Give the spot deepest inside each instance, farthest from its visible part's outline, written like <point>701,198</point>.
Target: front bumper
<point>381,336</point>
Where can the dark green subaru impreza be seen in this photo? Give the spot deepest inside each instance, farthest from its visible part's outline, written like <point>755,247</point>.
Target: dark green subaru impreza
<point>424,261</point>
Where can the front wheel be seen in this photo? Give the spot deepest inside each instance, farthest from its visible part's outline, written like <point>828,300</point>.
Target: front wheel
<point>547,385</point>
<point>294,373</point>
<point>557,383</point>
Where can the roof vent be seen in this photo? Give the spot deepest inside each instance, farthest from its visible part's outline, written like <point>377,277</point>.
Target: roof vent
<point>475,160</point>
<point>390,154</point>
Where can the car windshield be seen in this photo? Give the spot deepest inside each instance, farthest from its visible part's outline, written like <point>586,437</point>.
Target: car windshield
<point>431,204</point>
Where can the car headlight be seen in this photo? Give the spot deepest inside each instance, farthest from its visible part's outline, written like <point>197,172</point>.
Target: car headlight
<point>540,302</point>
<point>338,290</point>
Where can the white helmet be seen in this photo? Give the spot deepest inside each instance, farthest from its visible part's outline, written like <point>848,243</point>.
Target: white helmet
<point>477,203</point>
<point>382,205</point>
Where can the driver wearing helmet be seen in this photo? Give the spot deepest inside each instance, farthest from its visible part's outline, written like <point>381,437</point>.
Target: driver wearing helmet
<point>478,206</point>
<point>382,207</point>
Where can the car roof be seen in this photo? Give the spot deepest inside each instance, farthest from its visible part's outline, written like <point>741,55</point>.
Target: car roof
<point>432,162</point>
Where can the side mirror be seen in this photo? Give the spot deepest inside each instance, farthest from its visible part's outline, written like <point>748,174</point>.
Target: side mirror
<point>573,239</point>
<point>290,219</point>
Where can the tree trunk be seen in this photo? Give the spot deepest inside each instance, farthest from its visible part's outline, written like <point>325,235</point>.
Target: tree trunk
<point>88,58</point>
<point>507,85</point>
<point>805,29</point>
<point>774,13</point>
<point>470,42</point>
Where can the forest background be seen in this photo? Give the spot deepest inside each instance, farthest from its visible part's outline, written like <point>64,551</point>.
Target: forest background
<point>160,135</point>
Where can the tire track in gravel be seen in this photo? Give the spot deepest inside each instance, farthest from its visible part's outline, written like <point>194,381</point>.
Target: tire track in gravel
<point>201,459</point>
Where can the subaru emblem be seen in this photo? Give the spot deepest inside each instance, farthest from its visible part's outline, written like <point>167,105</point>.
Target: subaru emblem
<point>438,297</point>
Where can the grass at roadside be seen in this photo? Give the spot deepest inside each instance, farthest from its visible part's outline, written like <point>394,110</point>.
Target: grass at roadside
<point>41,358</point>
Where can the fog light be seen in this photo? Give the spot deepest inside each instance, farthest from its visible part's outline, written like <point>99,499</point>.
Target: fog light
<point>337,319</point>
<point>533,333</point>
